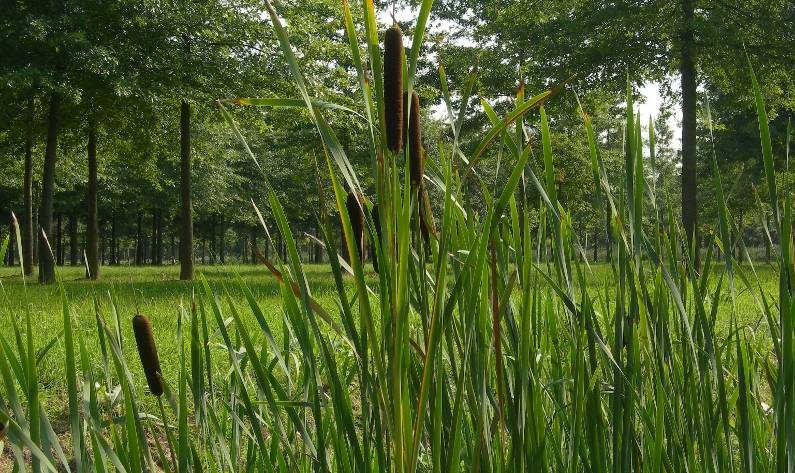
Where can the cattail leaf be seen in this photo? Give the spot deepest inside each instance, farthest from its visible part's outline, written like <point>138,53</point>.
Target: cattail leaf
<point>496,131</point>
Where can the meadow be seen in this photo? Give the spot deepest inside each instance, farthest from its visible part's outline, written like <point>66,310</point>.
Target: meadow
<point>158,293</point>
<point>484,342</point>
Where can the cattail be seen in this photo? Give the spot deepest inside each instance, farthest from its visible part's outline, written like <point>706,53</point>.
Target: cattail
<point>393,88</point>
<point>377,225</point>
<point>356,215</point>
<point>148,353</point>
<point>3,429</point>
<point>416,159</point>
<point>427,223</point>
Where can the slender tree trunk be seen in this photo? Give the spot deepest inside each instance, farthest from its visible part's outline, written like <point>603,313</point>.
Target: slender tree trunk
<point>186,210</point>
<point>73,242</point>
<point>92,220</point>
<point>36,232</point>
<point>153,251</point>
<point>596,247</point>
<point>59,253</point>
<point>114,255</point>
<point>46,263</point>
<point>27,217</point>
<point>213,248</point>
<point>689,80</point>
<point>139,241</point>
<point>160,237</point>
<point>253,244</point>
<point>222,241</point>
<point>11,245</point>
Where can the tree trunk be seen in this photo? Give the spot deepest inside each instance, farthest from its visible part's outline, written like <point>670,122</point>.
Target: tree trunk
<point>59,253</point>
<point>27,216</point>
<point>11,245</point>
<point>139,241</point>
<point>159,236</point>
<point>46,263</point>
<point>186,211</point>
<point>92,220</point>
<point>73,243</point>
<point>222,241</point>
<point>213,248</point>
<point>36,232</point>
<point>114,252</point>
<point>153,251</point>
<point>595,247</point>
<point>59,250</point>
<point>687,71</point>
<point>253,244</point>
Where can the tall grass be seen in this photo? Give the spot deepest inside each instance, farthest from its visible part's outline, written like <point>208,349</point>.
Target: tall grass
<point>485,353</point>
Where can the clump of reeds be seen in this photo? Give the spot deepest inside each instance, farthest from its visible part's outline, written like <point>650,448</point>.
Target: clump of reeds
<point>393,88</point>
<point>356,214</point>
<point>147,350</point>
<point>416,159</point>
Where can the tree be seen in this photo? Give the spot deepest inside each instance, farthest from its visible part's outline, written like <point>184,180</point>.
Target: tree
<point>600,42</point>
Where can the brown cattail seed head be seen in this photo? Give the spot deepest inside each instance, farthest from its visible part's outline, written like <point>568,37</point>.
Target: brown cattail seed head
<point>393,88</point>
<point>148,353</point>
<point>356,215</point>
<point>416,159</point>
<point>377,225</point>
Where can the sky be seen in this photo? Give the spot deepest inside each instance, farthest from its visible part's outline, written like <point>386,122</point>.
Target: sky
<point>653,102</point>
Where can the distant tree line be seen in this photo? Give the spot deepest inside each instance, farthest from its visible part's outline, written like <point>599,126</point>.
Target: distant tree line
<point>112,145</point>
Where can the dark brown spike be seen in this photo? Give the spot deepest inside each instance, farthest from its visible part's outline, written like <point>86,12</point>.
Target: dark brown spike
<point>393,88</point>
<point>355,213</point>
<point>147,350</point>
<point>377,225</point>
<point>416,159</point>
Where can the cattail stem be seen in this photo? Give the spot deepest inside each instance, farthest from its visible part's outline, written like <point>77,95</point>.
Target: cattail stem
<point>393,88</point>
<point>169,434</point>
<point>356,215</point>
<point>416,159</point>
<point>427,223</point>
<point>147,350</point>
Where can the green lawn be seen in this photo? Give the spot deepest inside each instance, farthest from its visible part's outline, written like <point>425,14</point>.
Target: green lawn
<point>157,292</point>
